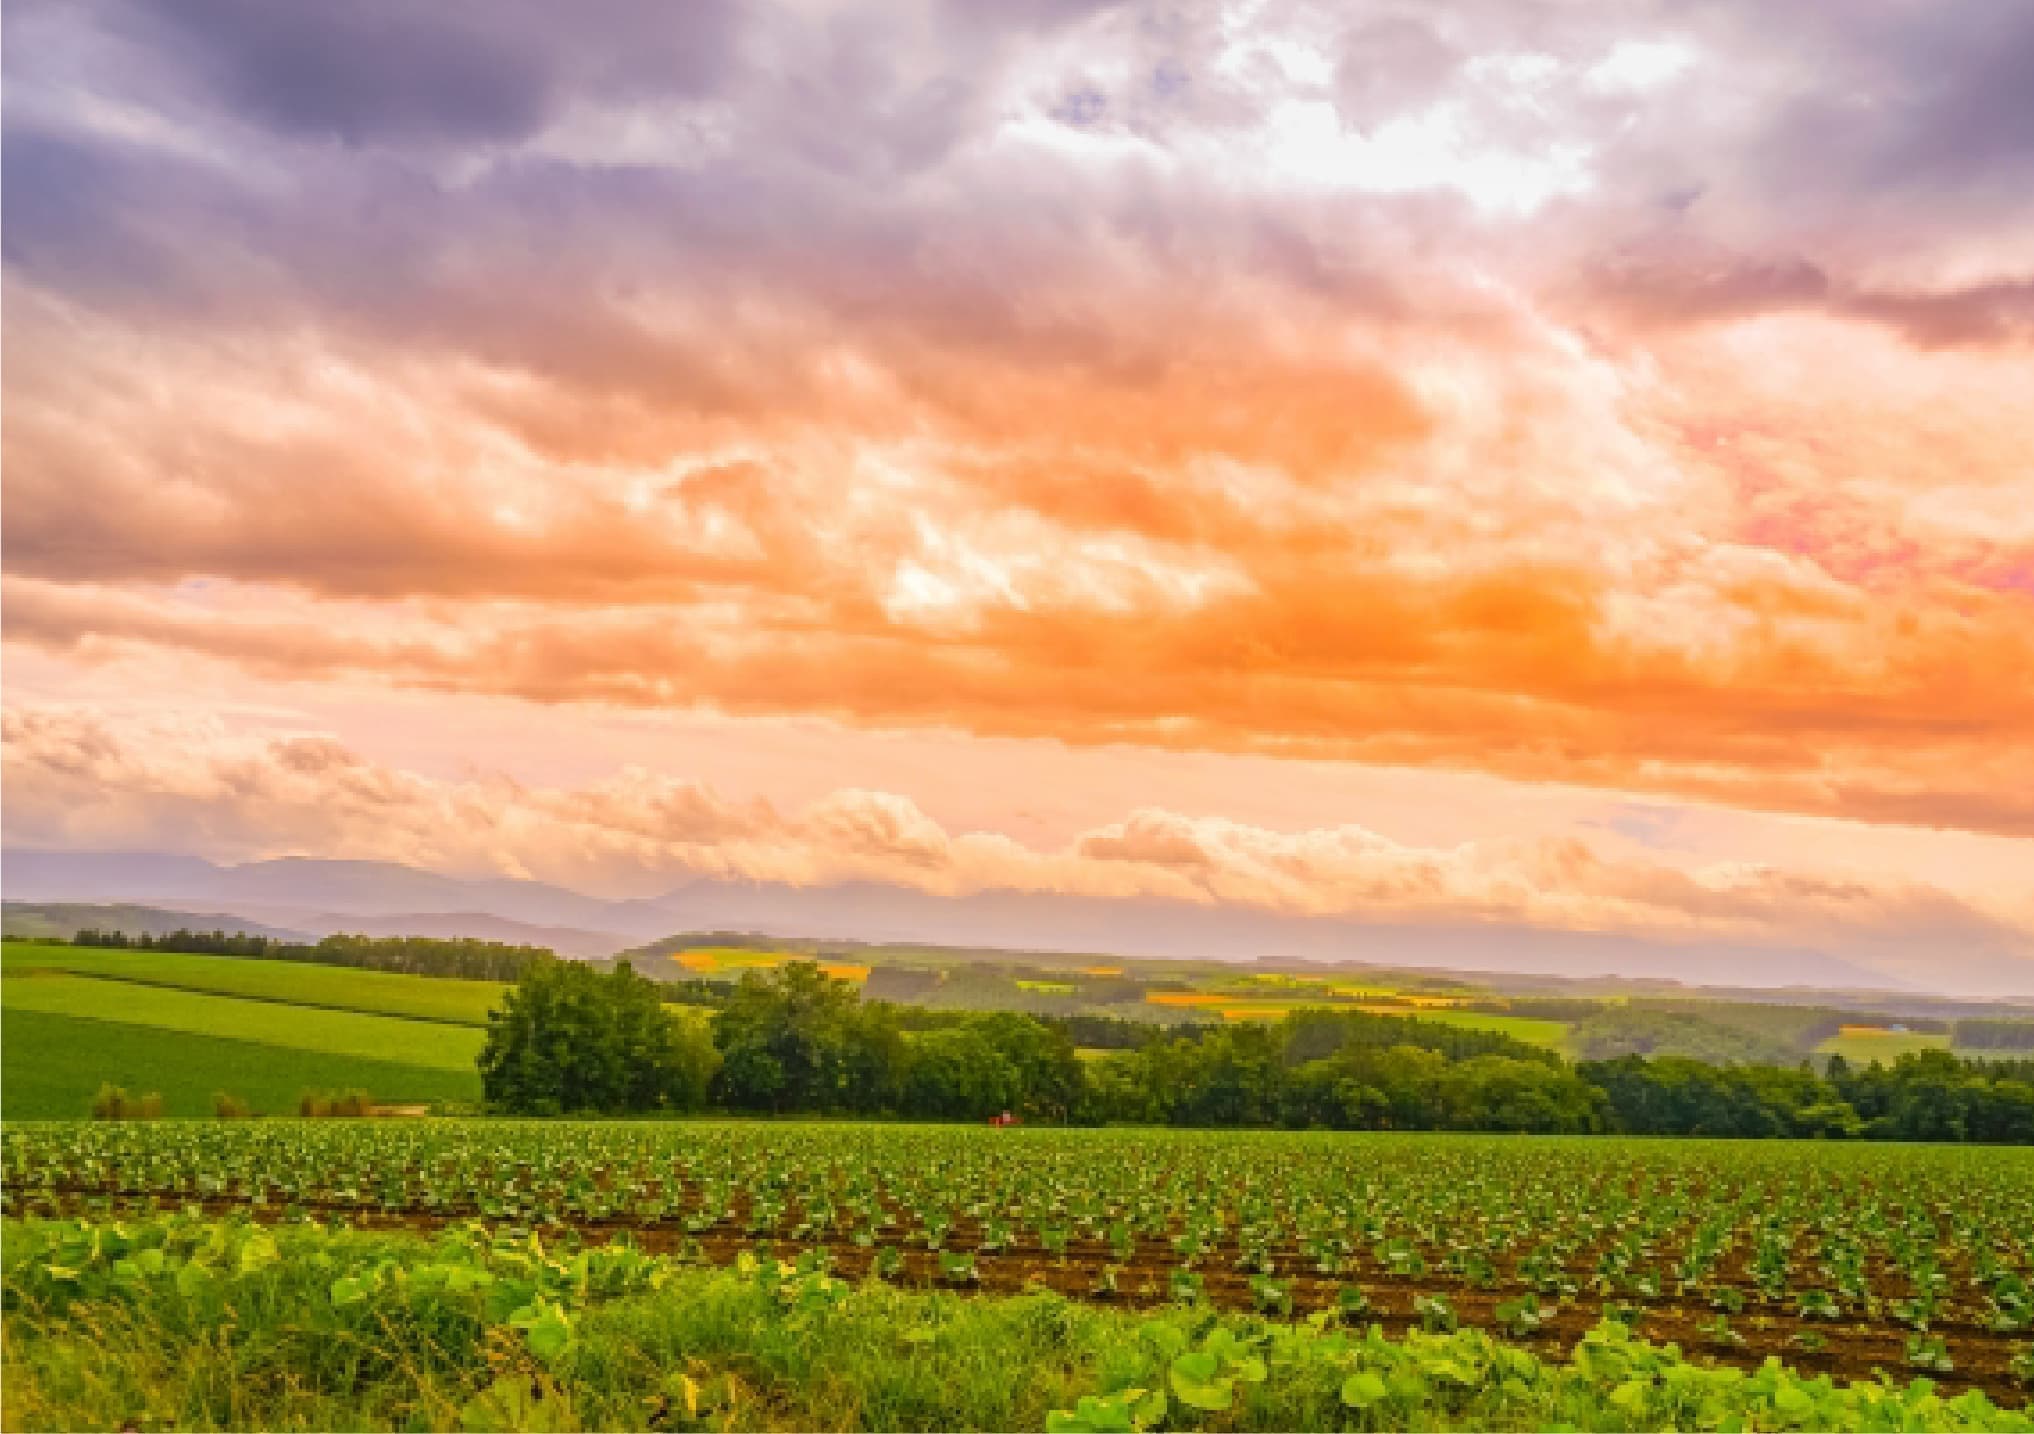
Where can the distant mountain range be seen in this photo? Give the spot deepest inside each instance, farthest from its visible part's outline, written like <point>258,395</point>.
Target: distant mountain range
<point>315,897</point>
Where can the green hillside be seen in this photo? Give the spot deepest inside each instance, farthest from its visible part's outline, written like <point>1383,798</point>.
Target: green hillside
<point>430,1044</point>
<point>51,1065</point>
<point>296,983</point>
<point>265,1031</point>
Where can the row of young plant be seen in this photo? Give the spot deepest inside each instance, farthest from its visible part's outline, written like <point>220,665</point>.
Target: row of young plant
<point>1919,1237</point>
<point>186,1320</point>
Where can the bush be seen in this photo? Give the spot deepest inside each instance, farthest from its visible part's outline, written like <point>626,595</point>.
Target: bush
<point>114,1103</point>
<point>320,1104</point>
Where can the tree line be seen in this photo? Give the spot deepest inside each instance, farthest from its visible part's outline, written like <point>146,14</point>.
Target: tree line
<point>459,956</point>
<point>1985,1033</point>
<point>571,1038</point>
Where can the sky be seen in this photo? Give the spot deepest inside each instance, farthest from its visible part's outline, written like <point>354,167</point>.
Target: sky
<point>1512,465</point>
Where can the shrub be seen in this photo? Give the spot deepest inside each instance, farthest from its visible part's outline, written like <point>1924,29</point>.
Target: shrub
<point>320,1104</point>
<point>114,1103</point>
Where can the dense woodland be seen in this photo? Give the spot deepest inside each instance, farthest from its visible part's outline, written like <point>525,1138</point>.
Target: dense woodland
<point>573,1039</point>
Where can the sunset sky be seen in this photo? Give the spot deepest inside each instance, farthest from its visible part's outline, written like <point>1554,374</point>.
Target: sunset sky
<point>1496,464</point>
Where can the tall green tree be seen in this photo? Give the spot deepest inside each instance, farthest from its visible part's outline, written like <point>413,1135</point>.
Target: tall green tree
<point>957,1074</point>
<point>798,1040</point>
<point>570,1039</point>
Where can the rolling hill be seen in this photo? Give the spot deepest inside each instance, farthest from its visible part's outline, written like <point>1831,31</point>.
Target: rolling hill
<point>189,1026</point>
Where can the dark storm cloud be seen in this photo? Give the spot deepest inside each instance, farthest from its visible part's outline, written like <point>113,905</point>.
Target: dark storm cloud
<point>450,72</point>
<point>402,187</point>
<point>1919,98</point>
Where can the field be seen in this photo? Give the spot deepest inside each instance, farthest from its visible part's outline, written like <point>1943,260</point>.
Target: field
<point>53,1064</point>
<point>1842,1260</point>
<point>1863,1045</point>
<point>430,1045</point>
<point>296,983</point>
<point>733,960</point>
<point>1254,1004</point>
<point>262,1030</point>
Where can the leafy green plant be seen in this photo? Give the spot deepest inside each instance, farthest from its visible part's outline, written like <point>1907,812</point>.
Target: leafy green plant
<point>1720,1332</point>
<point>1434,1313</point>
<point>1817,1304</point>
<point>1271,1296</point>
<point>1207,1378</point>
<point>1351,1303</point>
<point>1124,1411</point>
<point>1929,1352</point>
<point>1520,1316</point>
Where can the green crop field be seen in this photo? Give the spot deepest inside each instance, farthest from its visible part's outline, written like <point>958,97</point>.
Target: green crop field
<point>293,982</point>
<point>1316,1280</point>
<point>1533,1030</point>
<point>431,1045</point>
<point>1864,1047</point>
<point>50,1066</point>
<point>67,1032</point>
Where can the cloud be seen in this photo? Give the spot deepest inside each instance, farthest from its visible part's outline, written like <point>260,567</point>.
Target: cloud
<point>78,777</point>
<point>832,362</point>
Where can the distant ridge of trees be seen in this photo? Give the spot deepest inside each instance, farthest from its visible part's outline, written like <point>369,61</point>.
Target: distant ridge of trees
<point>463,957</point>
<point>1995,1035</point>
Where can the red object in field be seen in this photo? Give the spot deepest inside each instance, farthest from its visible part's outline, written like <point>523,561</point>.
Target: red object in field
<point>1004,1119</point>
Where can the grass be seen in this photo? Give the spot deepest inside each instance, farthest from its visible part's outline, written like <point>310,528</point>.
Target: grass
<point>1533,1030</point>
<point>188,1025</point>
<point>1861,1045</point>
<point>425,1044</point>
<point>257,1338</point>
<point>713,960</point>
<point>704,959</point>
<point>426,998</point>
<point>50,1066</point>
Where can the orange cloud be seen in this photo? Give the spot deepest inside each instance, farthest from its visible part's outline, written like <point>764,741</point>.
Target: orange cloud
<point>1371,394</point>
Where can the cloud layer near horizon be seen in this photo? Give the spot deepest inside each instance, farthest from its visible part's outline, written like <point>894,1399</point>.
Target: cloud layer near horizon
<point>1631,396</point>
<point>77,779</point>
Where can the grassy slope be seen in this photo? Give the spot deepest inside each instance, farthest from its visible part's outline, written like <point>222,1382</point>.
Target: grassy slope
<point>341,1033</point>
<point>1533,1030</point>
<point>50,1065</point>
<point>339,988</point>
<point>1864,1048</point>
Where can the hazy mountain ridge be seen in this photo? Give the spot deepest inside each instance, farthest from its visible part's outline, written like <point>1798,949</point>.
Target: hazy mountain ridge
<point>316,896</point>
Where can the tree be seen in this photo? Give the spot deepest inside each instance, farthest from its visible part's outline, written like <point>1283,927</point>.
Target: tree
<point>569,1039</point>
<point>798,1040</point>
<point>958,1074</point>
<point>1047,1067</point>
